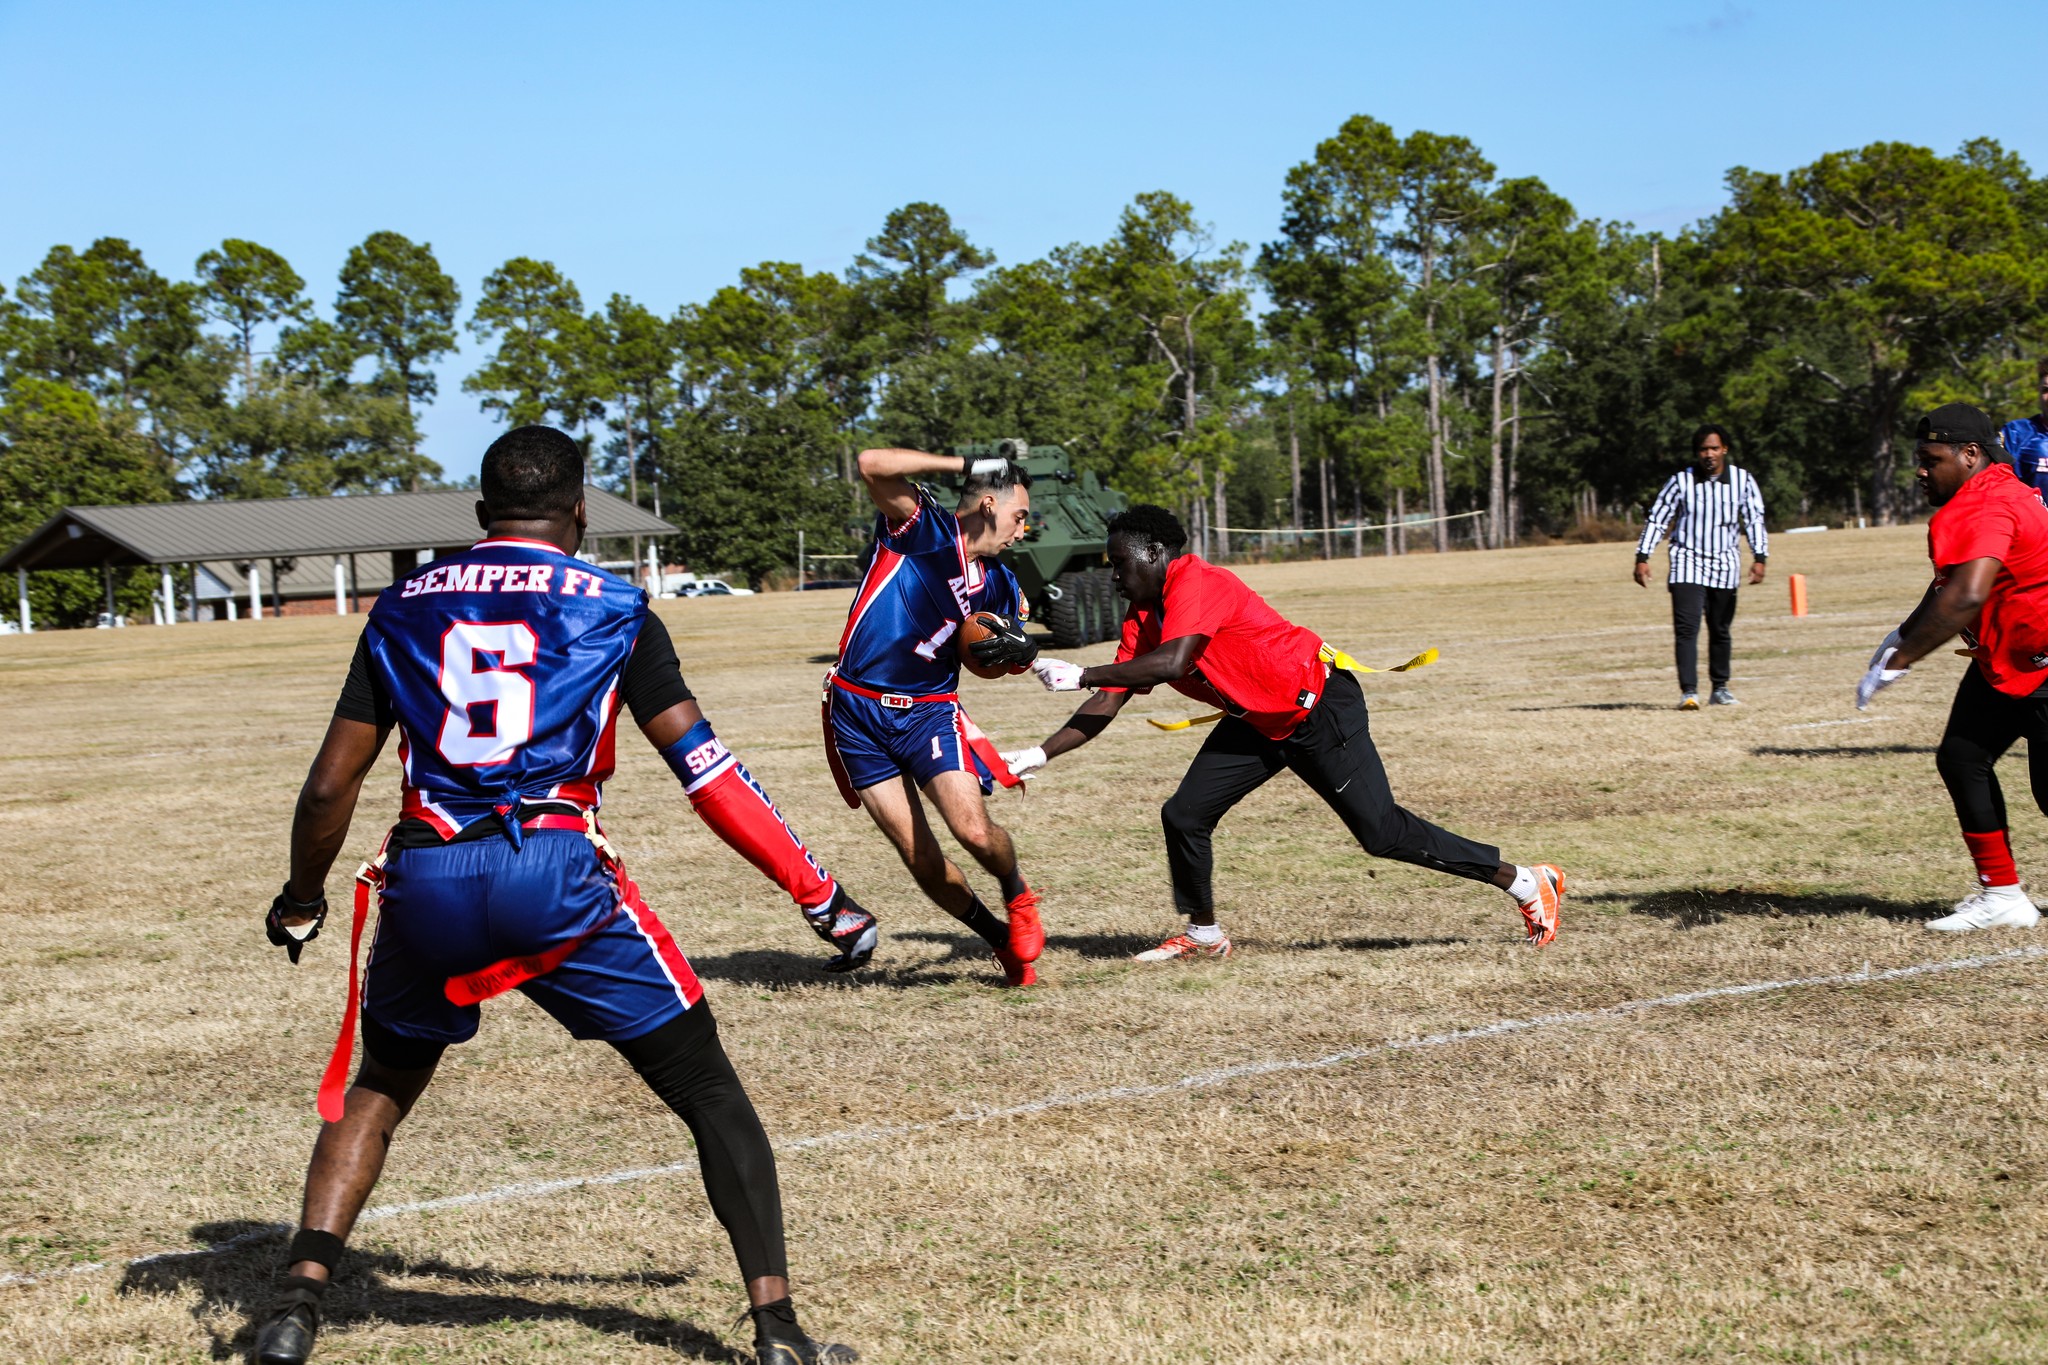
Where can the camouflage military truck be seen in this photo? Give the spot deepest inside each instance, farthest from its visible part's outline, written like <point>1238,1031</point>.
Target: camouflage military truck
<point>1062,565</point>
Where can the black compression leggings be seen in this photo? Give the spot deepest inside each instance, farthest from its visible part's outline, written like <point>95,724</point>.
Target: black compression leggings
<point>1982,725</point>
<point>684,1063</point>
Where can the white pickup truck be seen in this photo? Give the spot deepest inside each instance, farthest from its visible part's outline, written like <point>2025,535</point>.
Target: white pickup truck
<point>690,585</point>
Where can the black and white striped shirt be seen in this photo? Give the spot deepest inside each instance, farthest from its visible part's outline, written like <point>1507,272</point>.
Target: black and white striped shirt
<point>1703,516</point>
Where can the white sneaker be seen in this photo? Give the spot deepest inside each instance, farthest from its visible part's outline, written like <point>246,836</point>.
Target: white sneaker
<point>1994,907</point>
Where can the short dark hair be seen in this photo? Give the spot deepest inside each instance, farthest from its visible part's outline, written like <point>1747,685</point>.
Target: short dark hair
<point>1150,523</point>
<point>532,473</point>
<point>996,481</point>
<point>1711,429</point>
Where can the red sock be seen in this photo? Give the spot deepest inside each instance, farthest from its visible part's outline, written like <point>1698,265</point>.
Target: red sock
<point>1993,853</point>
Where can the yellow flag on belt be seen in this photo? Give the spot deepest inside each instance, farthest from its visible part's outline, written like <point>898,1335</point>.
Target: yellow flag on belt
<point>1330,655</point>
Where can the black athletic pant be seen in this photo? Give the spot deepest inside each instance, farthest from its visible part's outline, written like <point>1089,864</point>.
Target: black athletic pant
<point>1983,722</point>
<point>683,1063</point>
<point>1332,751</point>
<point>1689,602</point>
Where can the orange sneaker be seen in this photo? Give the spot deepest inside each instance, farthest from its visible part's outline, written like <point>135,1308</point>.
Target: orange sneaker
<point>1182,945</point>
<point>1027,935</point>
<point>1015,973</point>
<point>1540,910</point>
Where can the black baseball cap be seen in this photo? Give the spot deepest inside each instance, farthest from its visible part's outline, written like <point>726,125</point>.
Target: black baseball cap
<point>1959,424</point>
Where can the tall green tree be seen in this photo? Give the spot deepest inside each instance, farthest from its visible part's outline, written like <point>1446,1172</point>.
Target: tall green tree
<point>754,451</point>
<point>399,305</point>
<point>1167,311</point>
<point>629,363</point>
<point>244,286</point>
<point>1440,189</point>
<point>61,447</point>
<point>533,315</point>
<point>103,322</point>
<point>1873,271</point>
<point>1530,254</point>
<point>914,339</point>
<point>1337,317</point>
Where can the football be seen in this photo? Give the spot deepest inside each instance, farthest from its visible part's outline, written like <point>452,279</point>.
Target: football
<point>980,626</point>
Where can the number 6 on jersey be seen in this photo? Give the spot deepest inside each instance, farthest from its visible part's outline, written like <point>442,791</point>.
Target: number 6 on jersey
<point>490,708</point>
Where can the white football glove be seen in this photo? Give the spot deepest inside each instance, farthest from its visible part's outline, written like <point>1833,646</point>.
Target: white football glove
<point>1890,645</point>
<point>1058,675</point>
<point>1879,677</point>
<point>1024,762</point>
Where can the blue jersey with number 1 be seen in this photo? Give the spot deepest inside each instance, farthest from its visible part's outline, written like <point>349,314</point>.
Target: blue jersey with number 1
<point>502,664</point>
<point>920,586</point>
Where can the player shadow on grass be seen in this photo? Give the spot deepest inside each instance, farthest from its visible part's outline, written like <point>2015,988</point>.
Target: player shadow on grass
<point>967,961</point>
<point>236,1279</point>
<point>1599,706</point>
<point>1697,907</point>
<point>1836,750</point>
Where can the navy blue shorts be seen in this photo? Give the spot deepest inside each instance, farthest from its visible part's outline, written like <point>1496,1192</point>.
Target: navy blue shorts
<point>460,907</point>
<point>876,742</point>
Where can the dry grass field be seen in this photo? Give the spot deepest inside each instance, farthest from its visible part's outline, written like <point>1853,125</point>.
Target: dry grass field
<point>1833,1171</point>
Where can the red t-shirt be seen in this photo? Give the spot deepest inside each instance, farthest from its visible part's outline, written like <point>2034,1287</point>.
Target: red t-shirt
<point>1995,516</point>
<point>1257,664</point>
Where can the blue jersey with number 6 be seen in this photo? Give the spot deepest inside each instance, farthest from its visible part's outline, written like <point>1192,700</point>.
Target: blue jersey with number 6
<point>502,665</point>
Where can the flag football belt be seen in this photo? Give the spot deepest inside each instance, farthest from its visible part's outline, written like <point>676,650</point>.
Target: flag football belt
<point>982,747</point>
<point>1331,657</point>
<point>894,701</point>
<point>470,988</point>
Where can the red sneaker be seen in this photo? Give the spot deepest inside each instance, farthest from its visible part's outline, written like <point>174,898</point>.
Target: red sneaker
<point>1015,973</point>
<point>1027,935</point>
<point>1540,912</point>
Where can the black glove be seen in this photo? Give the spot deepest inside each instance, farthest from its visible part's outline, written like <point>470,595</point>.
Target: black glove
<point>281,937</point>
<point>1009,647</point>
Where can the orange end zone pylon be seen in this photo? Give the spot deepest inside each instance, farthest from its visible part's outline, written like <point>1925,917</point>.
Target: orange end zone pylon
<point>1798,584</point>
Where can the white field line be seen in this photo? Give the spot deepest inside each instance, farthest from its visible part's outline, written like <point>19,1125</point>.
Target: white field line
<point>1200,1080</point>
<point>1824,724</point>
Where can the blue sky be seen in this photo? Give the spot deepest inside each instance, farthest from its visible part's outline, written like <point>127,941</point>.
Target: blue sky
<point>656,149</point>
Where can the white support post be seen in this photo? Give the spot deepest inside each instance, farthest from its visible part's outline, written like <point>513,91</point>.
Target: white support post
<point>653,570</point>
<point>28,627</point>
<point>231,607</point>
<point>255,592</point>
<point>799,559</point>
<point>170,599</point>
<point>340,588</point>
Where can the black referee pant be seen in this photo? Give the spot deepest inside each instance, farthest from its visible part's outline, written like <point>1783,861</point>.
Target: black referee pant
<point>1689,603</point>
<point>1332,751</point>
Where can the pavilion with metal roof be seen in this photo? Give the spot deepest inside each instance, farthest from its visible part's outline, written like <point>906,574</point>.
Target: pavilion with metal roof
<point>216,543</point>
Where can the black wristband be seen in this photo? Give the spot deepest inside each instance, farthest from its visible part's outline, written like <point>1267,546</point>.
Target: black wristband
<point>1642,558</point>
<point>318,902</point>
<point>311,1244</point>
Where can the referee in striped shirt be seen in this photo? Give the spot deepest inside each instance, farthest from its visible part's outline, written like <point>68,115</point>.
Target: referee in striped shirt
<point>1703,508</point>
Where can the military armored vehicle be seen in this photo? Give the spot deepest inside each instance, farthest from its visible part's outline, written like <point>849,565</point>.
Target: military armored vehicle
<point>1062,564</point>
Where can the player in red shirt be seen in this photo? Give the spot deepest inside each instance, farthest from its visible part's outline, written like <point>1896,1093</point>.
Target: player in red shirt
<point>1199,629</point>
<point>1989,543</point>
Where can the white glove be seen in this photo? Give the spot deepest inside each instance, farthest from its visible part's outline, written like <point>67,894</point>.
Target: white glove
<point>1890,646</point>
<point>1879,677</point>
<point>1057,674</point>
<point>1024,762</point>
